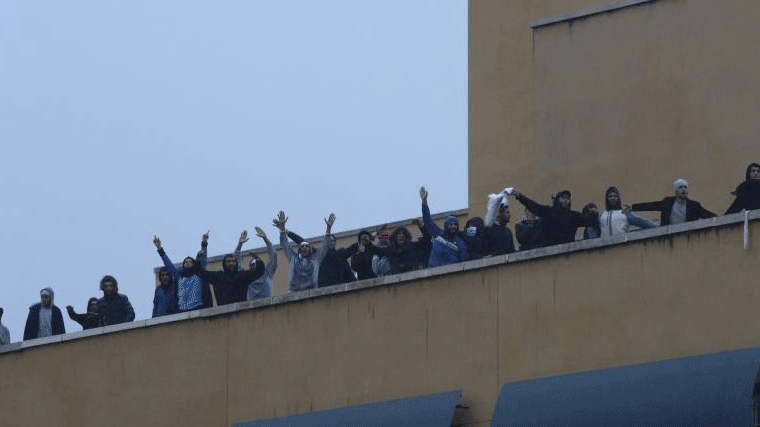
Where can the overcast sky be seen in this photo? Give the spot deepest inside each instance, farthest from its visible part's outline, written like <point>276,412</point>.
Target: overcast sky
<point>128,118</point>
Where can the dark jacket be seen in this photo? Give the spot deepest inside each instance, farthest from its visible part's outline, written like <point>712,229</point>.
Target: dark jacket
<point>165,300</point>
<point>559,225</point>
<point>87,320</point>
<point>405,257</point>
<point>529,235</point>
<point>694,210</point>
<point>361,263</point>
<point>498,240</point>
<point>475,239</point>
<point>33,322</point>
<point>115,309</point>
<point>334,268</point>
<point>747,196</point>
<point>230,286</point>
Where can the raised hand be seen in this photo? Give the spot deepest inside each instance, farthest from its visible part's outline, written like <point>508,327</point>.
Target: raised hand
<point>260,233</point>
<point>205,236</point>
<point>423,194</point>
<point>280,221</point>
<point>243,237</point>
<point>157,242</point>
<point>330,220</point>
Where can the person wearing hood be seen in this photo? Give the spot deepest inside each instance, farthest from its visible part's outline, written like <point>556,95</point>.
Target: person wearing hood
<point>474,237</point>
<point>361,261</point>
<point>617,217</point>
<point>191,292</point>
<point>559,222</point>
<point>88,320</point>
<point>114,308</point>
<point>498,237</point>
<point>303,266</point>
<point>748,192</point>
<point>402,253</point>
<point>230,284</point>
<point>448,245</point>
<point>676,209</point>
<point>334,269</point>
<point>261,287</point>
<point>163,297</point>
<point>593,231</point>
<point>529,231</point>
<point>380,264</point>
<point>45,319</point>
<point>5,334</point>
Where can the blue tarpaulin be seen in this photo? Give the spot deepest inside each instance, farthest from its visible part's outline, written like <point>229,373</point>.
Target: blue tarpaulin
<point>708,390</point>
<point>433,410</point>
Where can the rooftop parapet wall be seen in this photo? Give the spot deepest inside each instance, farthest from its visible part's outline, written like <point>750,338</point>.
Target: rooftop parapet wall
<point>650,295</point>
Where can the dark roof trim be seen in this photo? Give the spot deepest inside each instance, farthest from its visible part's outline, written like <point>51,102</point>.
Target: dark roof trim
<point>433,410</point>
<point>707,390</point>
<point>585,13</point>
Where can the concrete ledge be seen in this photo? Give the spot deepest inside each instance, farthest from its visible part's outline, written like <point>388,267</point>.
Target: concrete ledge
<point>585,13</point>
<point>566,249</point>
<point>42,341</point>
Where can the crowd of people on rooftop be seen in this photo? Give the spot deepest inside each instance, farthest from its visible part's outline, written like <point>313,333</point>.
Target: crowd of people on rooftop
<point>191,286</point>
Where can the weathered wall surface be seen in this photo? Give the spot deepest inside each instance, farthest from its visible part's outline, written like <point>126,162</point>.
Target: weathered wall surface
<point>476,325</point>
<point>635,98</point>
<point>500,52</point>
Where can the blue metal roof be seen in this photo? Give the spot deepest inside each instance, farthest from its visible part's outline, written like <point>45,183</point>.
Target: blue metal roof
<point>433,410</point>
<point>708,390</point>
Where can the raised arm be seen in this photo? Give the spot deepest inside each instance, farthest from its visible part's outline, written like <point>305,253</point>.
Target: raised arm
<point>165,258</point>
<point>430,225</point>
<point>322,251</point>
<point>279,222</point>
<point>272,261</point>
<point>204,248</point>
<point>238,255</point>
<point>647,206</point>
<point>541,211</point>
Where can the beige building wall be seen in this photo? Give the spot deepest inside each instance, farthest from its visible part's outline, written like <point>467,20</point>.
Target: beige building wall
<point>634,97</point>
<point>500,72</point>
<point>666,292</point>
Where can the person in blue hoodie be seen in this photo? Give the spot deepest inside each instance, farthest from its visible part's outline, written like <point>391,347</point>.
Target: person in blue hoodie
<point>448,245</point>
<point>190,291</point>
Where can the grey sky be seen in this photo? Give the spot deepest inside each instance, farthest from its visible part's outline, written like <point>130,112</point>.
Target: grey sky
<point>124,119</point>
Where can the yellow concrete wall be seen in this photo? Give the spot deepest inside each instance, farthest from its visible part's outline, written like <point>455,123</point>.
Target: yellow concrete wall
<point>635,98</point>
<point>500,112</point>
<point>474,326</point>
<point>647,94</point>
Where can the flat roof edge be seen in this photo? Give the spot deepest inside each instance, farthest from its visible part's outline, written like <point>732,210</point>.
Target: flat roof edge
<point>585,13</point>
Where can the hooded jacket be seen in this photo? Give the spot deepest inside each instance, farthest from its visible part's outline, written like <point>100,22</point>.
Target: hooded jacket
<point>230,286</point>
<point>191,291</point>
<point>87,320</point>
<point>446,249</point>
<point>115,309</point>
<point>303,272</point>
<point>559,224</point>
<point>261,287</point>
<point>33,320</point>
<point>334,268</point>
<point>747,194</point>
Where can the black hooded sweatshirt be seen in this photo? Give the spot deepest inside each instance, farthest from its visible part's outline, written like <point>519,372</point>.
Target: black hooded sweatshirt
<point>559,225</point>
<point>230,286</point>
<point>747,194</point>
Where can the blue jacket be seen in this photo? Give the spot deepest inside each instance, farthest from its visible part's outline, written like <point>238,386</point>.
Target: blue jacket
<point>444,251</point>
<point>191,292</point>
